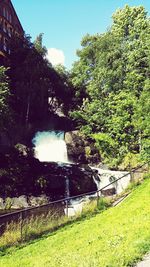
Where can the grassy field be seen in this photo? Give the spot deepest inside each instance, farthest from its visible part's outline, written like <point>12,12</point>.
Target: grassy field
<point>115,238</point>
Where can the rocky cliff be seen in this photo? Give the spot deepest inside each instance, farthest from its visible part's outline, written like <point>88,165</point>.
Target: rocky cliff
<point>81,149</point>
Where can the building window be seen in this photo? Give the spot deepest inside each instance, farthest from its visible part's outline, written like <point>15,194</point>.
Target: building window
<point>5,27</point>
<point>0,40</point>
<point>4,12</point>
<point>10,18</point>
<point>9,31</point>
<point>5,45</point>
<point>7,15</point>
<point>1,24</point>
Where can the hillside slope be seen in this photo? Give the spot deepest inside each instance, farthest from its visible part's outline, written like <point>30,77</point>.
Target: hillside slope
<point>115,238</point>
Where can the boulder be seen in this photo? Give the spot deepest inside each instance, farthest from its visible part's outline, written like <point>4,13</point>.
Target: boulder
<point>38,201</point>
<point>19,202</point>
<point>8,203</point>
<point>2,206</point>
<point>23,149</point>
<point>81,149</point>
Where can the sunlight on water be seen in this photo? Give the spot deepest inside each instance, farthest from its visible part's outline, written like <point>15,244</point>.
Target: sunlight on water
<point>50,146</point>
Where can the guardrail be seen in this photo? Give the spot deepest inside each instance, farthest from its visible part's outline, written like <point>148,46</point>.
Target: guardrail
<point>23,224</point>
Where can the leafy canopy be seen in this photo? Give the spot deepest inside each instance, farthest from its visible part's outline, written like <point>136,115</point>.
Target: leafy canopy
<point>112,84</point>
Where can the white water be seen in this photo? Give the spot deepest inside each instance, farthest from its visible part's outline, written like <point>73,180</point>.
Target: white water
<point>50,146</point>
<point>108,176</point>
<point>105,177</point>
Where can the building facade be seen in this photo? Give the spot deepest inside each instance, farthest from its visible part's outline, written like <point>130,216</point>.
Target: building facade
<point>9,26</point>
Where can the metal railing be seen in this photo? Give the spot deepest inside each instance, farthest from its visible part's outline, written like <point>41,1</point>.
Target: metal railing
<point>30,222</point>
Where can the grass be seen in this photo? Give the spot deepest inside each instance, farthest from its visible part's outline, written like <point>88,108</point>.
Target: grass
<point>117,237</point>
<point>30,228</point>
<point>36,225</point>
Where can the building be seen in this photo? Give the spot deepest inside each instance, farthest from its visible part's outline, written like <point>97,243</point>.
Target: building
<point>9,25</point>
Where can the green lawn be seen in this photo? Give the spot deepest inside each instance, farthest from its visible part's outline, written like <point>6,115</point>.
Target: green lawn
<point>115,238</point>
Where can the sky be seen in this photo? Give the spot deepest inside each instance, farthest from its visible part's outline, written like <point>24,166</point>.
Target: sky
<point>65,22</point>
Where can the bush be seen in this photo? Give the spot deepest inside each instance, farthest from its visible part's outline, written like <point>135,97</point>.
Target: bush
<point>130,161</point>
<point>104,203</point>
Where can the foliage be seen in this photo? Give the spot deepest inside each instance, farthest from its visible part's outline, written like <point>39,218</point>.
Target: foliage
<point>145,151</point>
<point>103,203</point>
<point>65,96</point>
<point>106,145</point>
<point>29,80</point>
<point>130,161</point>
<point>5,114</point>
<point>38,44</point>
<point>37,88</point>
<point>112,84</point>
<point>106,92</point>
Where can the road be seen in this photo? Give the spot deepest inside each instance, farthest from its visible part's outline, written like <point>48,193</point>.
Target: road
<point>145,262</point>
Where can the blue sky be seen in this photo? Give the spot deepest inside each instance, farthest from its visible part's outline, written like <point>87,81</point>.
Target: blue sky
<point>65,22</point>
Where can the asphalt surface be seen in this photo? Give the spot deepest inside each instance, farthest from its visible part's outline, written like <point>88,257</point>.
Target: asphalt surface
<point>145,262</point>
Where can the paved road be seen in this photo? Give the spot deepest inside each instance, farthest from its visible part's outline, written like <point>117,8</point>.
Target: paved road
<point>145,262</point>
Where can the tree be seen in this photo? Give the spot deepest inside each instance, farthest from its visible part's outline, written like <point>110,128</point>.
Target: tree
<point>34,82</point>
<point>142,122</point>
<point>38,44</point>
<point>5,114</point>
<point>65,91</point>
<point>110,78</point>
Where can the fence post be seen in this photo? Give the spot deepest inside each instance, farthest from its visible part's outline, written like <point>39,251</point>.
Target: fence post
<point>67,193</point>
<point>97,198</point>
<point>25,225</point>
<point>67,207</point>
<point>131,175</point>
<point>21,226</point>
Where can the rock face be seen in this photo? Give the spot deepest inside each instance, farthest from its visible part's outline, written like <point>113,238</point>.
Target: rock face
<point>81,149</point>
<point>22,202</point>
<point>80,179</point>
<point>36,178</point>
<point>38,201</point>
<point>2,206</point>
<point>59,181</point>
<point>30,177</point>
<point>19,203</point>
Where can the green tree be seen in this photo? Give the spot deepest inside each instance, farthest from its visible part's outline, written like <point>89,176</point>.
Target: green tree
<point>38,44</point>
<point>65,89</point>
<point>35,84</point>
<point>5,114</point>
<point>110,78</point>
<point>142,122</point>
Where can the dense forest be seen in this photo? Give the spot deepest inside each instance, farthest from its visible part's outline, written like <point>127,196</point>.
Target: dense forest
<point>106,93</point>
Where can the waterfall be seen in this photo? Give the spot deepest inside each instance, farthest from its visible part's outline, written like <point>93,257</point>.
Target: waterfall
<point>50,146</point>
<point>67,187</point>
<point>108,176</point>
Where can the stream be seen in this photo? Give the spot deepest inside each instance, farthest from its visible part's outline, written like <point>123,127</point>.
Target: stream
<point>51,147</point>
